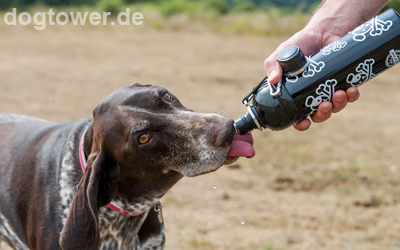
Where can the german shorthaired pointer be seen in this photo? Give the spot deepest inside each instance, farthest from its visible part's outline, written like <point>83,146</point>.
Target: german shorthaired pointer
<point>141,141</point>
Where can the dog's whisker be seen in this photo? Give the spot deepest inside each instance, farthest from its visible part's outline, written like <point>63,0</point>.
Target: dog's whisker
<point>223,110</point>
<point>226,114</point>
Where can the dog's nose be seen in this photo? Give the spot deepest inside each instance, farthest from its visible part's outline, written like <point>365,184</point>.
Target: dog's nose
<point>224,135</point>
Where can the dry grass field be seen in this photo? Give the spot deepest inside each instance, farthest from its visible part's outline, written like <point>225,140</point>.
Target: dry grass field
<point>335,186</point>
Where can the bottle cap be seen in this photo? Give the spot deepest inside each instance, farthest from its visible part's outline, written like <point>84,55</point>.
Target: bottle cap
<point>292,61</point>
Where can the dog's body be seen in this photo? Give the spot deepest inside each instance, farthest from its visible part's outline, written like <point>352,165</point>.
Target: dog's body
<point>139,144</point>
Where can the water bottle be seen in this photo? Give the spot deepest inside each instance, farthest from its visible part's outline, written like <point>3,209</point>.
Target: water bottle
<point>306,82</point>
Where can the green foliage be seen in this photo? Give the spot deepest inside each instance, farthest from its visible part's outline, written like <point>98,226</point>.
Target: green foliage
<point>23,4</point>
<point>395,4</point>
<point>113,6</point>
<point>176,6</point>
<point>8,4</point>
<point>61,2</point>
<point>173,7</point>
<point>267,246</point>
<point>220,6</point>
<point>245,6</point>
<point>5,4</point>
<point>142,1</point>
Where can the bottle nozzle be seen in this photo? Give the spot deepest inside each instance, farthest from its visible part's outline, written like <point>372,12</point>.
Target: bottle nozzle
<point>245,123</point>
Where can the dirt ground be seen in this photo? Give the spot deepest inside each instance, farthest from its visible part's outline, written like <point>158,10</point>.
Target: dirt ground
<point>335,186</point>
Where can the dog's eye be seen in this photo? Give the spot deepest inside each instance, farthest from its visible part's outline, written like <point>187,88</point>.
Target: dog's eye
<point>144,138</point>
<point>167,97</point>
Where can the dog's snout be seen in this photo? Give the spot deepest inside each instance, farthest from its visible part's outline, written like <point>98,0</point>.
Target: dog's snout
<point>224,134</point>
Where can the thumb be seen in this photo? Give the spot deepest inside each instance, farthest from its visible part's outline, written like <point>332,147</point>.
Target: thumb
<point>274,71</point>
<point>271,66</point>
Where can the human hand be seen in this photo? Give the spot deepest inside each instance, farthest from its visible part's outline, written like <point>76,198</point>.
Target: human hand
<point>310,41</point>
<point>325,109</point>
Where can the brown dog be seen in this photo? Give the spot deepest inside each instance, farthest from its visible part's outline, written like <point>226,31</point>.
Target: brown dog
<point>141,141</point>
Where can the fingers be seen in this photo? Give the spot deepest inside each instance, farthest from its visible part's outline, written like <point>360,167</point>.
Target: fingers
<point>303,125</point>
<point>340,98</point>
<point>271,65</point>
<point>325,109</point>
<point>274,71</point>
<point>275,76</point>
<point>339,101</point>
<point>309,42</point>
<point>323,113</point>
<point>352,94</point>
<point>306,39</point>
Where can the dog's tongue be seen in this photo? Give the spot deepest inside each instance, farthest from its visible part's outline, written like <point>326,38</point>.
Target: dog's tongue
<point>242,146</point>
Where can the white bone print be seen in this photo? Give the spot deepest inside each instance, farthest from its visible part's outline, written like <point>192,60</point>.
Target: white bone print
<point>364,73</point>
<point>324,93</point>
<point>335,46</point>
<point>374,27</point>
<point>393,58</point>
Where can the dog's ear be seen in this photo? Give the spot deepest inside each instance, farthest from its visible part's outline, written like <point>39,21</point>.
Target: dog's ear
<point>96,189</point>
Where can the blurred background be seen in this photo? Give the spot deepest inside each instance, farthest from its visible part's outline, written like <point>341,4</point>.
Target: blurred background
<point>335,186</point>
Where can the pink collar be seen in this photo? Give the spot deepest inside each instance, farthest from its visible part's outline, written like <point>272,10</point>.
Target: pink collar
<point>82,159</point>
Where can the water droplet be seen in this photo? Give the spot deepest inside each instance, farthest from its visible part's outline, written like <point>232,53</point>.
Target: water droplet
<point>242,222</point>
<point>215,187</point>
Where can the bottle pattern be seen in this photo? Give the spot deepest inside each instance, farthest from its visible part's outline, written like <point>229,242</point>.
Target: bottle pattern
<point>364,71</point>
<point>375,27</point>
<point>335,46</point>
<point>393,58</point>
<point>324,93</point>
<point>312,68</point>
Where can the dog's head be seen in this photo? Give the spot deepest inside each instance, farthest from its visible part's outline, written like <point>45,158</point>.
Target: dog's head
<point>141,142</point>
<point>149,132</point>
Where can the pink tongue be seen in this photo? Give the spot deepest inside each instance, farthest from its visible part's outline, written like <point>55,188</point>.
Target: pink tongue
<point>242,146</point>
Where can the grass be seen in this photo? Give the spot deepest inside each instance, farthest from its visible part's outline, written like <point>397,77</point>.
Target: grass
<point>188,16</point>
<point>183,15</point>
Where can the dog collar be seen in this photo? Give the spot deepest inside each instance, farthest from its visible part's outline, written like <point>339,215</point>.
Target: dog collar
<point>82,159</point>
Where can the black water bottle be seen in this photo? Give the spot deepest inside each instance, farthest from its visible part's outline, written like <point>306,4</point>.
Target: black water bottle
<point>352,60</point>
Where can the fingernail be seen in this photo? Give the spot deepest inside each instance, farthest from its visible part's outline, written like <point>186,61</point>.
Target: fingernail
<point>352,93</point>
<point>339,98</point>
<point>272,74</point>
<point>326,109</point>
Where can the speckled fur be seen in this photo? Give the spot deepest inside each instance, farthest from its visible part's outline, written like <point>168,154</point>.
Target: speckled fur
<point>117,231</point>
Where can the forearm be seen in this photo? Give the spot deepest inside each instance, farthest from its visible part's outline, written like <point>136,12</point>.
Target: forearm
<point>338,17</point>
<point>359,10</point>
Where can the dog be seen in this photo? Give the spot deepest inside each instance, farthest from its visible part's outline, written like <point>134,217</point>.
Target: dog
<point>141,141</point>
